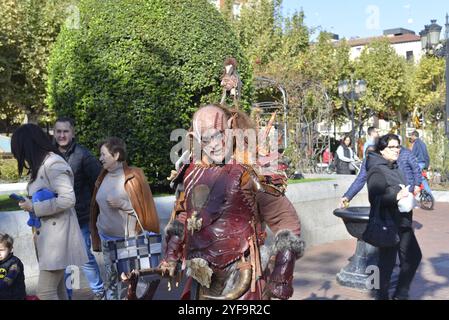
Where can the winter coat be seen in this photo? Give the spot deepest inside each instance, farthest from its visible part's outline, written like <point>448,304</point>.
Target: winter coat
<point>59,240</point>
<point>86,169</point>
<point>384,179</point>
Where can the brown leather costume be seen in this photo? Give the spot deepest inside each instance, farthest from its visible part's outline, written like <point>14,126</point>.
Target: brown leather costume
<point>230,227</point>
<point>226,217</point>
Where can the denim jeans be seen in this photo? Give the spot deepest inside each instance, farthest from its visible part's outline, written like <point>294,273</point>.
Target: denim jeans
<point>90,269</point>
<point>424,180</point>
<point>113,284</point>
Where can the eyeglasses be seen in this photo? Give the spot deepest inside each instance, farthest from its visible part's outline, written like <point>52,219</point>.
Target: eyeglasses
<point>219,135</point>
<point>394,147</point>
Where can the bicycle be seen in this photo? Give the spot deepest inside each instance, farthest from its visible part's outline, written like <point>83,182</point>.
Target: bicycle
<point>426,200</point>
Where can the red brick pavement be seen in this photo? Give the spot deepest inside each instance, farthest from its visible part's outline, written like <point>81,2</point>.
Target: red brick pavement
<point>315,273</point>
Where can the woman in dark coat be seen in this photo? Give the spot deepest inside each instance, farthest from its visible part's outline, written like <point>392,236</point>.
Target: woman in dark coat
<point>345,157</point>
<point>384,180</point>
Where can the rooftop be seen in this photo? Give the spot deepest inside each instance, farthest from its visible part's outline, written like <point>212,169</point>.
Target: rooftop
<point>392,39</point>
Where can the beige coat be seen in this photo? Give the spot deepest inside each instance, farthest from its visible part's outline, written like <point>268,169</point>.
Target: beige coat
<point>59,240</point>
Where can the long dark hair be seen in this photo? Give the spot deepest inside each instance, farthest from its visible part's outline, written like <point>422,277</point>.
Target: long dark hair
<point>30,145</point>
<point>342,142</point>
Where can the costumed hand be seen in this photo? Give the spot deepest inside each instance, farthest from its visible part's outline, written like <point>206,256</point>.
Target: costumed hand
<point>131,280</point>
<point>168,268</point>
<point>26,205</point>
<point>280,281</point>
<point>127,278</point>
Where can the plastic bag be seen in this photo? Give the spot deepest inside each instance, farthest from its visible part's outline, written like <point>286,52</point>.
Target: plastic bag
<point>407,204</point>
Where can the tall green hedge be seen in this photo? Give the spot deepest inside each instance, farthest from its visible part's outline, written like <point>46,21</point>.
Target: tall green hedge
<point>138,69</point>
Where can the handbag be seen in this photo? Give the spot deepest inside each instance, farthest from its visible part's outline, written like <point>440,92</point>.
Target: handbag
<point>142,251</point>
<point>381,233</point>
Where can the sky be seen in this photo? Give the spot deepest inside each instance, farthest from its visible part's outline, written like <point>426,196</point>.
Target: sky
<point>366,18</point>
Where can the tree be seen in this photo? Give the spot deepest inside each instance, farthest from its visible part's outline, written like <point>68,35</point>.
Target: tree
<point>259,30</point>
<point>138,69</point>
<point>295,37</point>
<point>429,89</point>
<point>388,78</point>
<point>27,32</point>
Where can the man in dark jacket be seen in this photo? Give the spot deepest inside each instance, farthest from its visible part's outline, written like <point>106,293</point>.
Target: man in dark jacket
<point>86,169</point>
<point>407,164</point>
<point>420,151</point>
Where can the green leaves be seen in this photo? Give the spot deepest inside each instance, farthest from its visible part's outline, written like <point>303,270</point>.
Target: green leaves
<point>387,77</point>
<point>27,31</point>
<point>138,69</point>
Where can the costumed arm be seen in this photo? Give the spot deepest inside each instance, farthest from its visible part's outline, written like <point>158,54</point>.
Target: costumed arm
<point>174,231</point>
<point>281,217</point>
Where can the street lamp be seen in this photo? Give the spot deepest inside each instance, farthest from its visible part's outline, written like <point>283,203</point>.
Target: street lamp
<point>430,42</point>
<point>353,90</point>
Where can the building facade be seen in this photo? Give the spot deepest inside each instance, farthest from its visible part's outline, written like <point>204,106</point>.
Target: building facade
<point>236,6</point>
<point>405,42</point>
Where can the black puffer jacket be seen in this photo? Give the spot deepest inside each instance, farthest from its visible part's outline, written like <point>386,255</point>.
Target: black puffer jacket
<point>86,169</point>
<point>384,178</point>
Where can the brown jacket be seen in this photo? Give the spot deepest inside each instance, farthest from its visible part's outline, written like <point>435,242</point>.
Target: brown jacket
<point>141,198</point>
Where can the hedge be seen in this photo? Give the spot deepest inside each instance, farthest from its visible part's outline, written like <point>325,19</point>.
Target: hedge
<point>8,171</point>
<point>138,69</point>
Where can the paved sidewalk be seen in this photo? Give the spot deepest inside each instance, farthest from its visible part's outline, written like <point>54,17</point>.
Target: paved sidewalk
<point>315,273</point>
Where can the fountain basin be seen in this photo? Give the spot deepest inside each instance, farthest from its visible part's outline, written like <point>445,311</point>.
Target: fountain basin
<point>355,219</point>
<point>357,273</point>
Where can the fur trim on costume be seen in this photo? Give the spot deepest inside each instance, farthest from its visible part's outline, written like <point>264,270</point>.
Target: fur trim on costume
<point>286,240</point>
<point>199,270</point>
<point>174,228</point>
<point>265,254</point>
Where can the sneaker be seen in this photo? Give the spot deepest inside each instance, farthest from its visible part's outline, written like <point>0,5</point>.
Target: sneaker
<point>99,295</point>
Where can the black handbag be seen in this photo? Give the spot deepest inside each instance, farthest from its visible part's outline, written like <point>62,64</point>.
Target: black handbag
<point>380,232</point>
